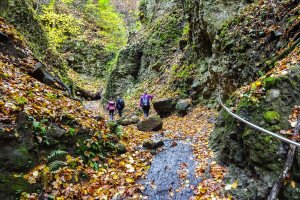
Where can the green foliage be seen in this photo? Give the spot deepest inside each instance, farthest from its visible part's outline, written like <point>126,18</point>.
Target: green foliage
<point>40,130</point>
<point>51,96</point>
<point>21,100</point>
<point>71,132</point>
<point>56,154</point>
<point>84,30</point>
<point>59,26</point>
<point>67,1</point>
<point>39,126</point>
<point>56,165</point>
<point>270,82</point>
<point>182,72</point>
<point>186,31</point>
<point>94,149</point>
<point>113,29</point>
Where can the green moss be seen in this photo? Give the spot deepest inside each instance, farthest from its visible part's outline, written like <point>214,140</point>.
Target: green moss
<point>272,117</point>
<point>275,128</point>
<point>270,82</point>
<point>13,185</point>
<point>245,102</point>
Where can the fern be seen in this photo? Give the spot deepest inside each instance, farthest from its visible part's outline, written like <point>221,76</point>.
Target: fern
<point>56,165</point>
<point>56,154</point>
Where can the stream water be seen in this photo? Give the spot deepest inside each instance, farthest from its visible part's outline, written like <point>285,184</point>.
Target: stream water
<point>171,175</point>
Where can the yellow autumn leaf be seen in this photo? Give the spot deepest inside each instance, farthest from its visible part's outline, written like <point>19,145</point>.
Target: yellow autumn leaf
<point>203,190</point>
<point>115,177</point>
<point>258,83</point>
<point>234,184</point>
<point>293,184</point>
<point>129,180</point>
<point>69,158</point>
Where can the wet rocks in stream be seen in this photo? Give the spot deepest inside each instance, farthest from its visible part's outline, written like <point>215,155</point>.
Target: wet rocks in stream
<point>171,175</point>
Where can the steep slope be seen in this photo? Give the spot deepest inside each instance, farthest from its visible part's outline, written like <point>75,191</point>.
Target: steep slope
<point>22,15</point>
<point>35,119</point>
<point>74,37</point>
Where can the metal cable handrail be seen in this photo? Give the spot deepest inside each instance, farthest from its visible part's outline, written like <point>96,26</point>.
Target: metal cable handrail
<point>257,127</point>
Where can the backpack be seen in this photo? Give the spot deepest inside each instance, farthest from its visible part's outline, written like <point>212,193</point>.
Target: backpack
<point>145,101</point>
<point>111,105</point>
<point>120,103</point>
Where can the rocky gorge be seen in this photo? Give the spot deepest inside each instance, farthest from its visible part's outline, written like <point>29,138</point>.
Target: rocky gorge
<point>185,52</point>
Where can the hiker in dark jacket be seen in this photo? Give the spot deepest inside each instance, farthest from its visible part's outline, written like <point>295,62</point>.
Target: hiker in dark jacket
<point>145,103</point>
<point>120,105</point>
<point>111,107</point>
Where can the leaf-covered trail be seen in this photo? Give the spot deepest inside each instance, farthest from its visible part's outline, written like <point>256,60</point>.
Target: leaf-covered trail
<point>183,168</point>
<point>190,171</point>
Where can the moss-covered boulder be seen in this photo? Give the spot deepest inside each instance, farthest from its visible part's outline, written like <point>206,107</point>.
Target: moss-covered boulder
<point>152,123</point>
<point>121,148</point>
<point>183,105</point>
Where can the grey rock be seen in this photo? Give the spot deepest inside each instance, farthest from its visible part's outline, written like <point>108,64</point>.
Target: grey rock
<point>135,119</point>
<point>164,107</point>
<point>279,45</point>
<point>182,106</point>
<point>121,148</point>
<point>152,123</point>
<point>125,121</point>
<point>196,84</point>
<point>55,132</point>
<point>272,94</point>
<point>153,144</point>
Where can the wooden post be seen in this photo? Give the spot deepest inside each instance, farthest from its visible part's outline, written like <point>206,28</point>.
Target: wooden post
<point>287,166</point>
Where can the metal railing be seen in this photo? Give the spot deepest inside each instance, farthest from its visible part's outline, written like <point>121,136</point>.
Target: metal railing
<point>257,127</point>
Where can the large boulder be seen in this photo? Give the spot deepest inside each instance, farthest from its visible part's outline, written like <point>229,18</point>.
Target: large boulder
<point>164,107</point>
<point>183,106</point>
<point>125,121</point>
<point>152,123</point>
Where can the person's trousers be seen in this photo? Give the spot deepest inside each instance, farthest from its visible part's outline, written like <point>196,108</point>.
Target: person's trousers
<point>111,114</point>
<point>146,110</point>
<point>120,111</point>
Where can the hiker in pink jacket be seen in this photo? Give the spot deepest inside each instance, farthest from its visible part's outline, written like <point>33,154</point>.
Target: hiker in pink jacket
<point>145,103</point>
<point>111,107</point>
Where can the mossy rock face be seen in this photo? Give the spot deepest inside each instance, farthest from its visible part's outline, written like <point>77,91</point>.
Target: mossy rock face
<point>121,148</point>
<point>272,117</point>
<point>12,186</point>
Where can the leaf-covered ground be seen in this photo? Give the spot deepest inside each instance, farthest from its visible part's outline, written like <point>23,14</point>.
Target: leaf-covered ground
<point>119,176</point>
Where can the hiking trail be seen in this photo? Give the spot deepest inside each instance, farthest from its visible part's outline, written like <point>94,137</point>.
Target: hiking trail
<point>184,167</point>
